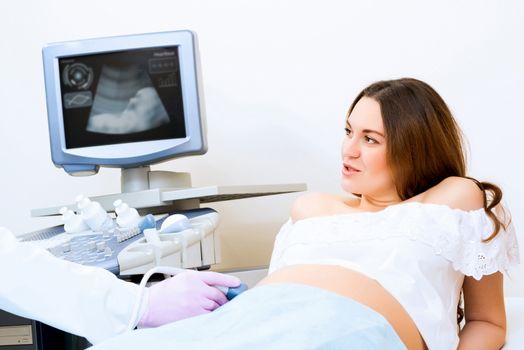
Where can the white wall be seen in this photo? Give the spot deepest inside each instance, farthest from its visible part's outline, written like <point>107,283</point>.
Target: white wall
<point>278,78</point>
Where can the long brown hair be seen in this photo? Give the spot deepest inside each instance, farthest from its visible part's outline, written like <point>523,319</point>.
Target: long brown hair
<point>424,142</point>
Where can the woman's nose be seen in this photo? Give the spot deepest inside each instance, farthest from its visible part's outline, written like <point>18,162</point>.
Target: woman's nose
<point>350,148</point>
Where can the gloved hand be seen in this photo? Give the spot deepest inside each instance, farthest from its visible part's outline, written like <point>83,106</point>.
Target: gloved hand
<point>185,295</point>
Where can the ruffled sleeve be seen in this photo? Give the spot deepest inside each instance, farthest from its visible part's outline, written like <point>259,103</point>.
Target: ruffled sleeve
<point>280,244</point>
<point>468,252</point>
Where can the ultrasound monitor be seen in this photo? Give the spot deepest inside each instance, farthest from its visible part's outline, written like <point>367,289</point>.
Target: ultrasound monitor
<point>126,102</point>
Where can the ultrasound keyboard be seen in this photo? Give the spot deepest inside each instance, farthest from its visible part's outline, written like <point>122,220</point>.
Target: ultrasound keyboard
<point>127,252</point>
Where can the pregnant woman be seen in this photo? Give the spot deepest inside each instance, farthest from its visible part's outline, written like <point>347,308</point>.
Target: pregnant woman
<point>385,266</point>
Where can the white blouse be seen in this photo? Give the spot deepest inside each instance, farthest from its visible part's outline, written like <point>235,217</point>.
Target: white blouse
<point>419,252</point>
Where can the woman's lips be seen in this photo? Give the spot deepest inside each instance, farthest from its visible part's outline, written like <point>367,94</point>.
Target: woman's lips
<point>348,169</point>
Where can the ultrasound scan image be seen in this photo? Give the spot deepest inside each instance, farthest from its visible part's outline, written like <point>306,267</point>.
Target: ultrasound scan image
<point>125,102</point>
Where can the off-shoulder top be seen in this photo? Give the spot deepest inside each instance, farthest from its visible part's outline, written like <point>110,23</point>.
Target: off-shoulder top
<point>419,252</point>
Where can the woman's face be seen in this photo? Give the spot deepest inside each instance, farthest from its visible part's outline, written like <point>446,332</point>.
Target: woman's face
<point>365,170</point>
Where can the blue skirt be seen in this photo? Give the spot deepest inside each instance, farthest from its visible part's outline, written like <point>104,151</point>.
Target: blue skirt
<point>273,316</point>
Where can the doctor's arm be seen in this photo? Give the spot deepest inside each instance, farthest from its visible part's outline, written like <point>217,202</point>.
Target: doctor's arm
<point>485,314</point>
<point>92,302</point>
<point>82,300</point>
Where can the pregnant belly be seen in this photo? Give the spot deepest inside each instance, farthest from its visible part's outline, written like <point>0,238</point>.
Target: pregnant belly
<point>358,287</point>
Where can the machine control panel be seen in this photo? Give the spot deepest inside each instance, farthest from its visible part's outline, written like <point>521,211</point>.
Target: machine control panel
<point>127,251</point>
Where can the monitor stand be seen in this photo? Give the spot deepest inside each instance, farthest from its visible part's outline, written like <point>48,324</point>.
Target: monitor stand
<point>143,178</point>
<point>153,192</point>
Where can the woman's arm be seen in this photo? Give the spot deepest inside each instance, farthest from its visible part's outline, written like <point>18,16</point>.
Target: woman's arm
<point>484,299</point>
<point>484,312</point>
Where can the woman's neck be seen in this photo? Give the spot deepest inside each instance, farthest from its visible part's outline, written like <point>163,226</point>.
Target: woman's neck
<point>369,203</point>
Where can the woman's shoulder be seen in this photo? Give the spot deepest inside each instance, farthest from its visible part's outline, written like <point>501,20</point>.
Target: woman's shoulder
<point>319,204</point>
<point>455,192</point>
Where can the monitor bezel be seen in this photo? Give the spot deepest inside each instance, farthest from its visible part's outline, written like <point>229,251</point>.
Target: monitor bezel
<point>133,154</point>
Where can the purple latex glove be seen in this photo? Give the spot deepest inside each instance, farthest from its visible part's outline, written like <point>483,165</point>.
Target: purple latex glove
<point>187,294</point>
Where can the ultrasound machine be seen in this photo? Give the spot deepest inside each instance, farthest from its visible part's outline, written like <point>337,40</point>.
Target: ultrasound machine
<point>130,102</point>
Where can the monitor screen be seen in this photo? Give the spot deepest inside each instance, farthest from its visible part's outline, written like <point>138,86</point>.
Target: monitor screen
<point>121,97</point>
<point>124,101</point>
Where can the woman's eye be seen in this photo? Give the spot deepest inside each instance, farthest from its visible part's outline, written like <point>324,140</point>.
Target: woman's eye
<point>370,140</point>
<point>348,131</point>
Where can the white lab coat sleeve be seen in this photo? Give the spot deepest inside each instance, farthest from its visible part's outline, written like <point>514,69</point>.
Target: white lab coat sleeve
<point>82,300</point>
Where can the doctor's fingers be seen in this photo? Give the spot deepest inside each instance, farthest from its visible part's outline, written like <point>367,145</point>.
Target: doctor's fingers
<point>208,305</point>
<point>219,279</point>
<point>215,295</point>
